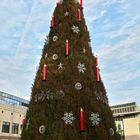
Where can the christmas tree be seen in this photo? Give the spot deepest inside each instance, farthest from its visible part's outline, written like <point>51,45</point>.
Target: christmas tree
<point>68,100</point>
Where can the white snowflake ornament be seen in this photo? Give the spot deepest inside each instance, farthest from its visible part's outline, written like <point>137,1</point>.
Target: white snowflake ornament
<point>47,39</point>
<point>55,38</point>
<point>81,67</point>
<point>66,14</point>
<point>68,118</point>
<point>46,55</point>
<point>95,119</point>
<point>75,29</point>
<point>98,98</point>
<point>104,99</point>
<point>59,94</point>
<point>55,57</point>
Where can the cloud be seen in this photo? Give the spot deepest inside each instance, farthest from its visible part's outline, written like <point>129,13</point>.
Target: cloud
<point>8,87</point>
<point>114,27</point>
<point>26,97</point>
<point>116,41</point>
<point>127,95</point>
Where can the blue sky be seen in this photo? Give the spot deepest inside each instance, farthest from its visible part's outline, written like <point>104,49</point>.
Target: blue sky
<point>114,27</point>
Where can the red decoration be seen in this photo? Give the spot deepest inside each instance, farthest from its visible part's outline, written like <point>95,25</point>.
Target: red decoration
<point>52,22</point>
<point>79,15</point>
<point>24,122</point>
<point>67,48</point>
<point>81,3</point>
<point>97,70</point>
<point>82,120</point>
<point>44,72</point>
<point>97,74</point>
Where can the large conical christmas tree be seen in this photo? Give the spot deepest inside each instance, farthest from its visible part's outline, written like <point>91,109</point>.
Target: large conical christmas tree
<point>68,100</point>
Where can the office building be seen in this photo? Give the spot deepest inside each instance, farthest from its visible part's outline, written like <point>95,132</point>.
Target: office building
<point>12,112</point>
<point>127,119</point>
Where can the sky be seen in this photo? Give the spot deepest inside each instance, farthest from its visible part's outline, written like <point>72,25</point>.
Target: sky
<point>114,27</point>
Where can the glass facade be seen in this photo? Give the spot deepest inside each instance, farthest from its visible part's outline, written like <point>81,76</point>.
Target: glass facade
<point>124,108</point>
<point>6,98</point>
<point>5,127</point>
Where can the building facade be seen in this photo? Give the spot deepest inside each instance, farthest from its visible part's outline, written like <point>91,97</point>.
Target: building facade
<point>127,119</point>
<point>12,112</point>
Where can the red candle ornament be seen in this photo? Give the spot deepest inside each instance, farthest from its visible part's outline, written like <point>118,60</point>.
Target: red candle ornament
<point>44,72</point>
<point>81,120</point>
<point>97,74</point>
<point>81,3</point>
<point>67,48</point>
<point>52,22</point>
<point>97,70</point>
<point>24,122</point>
<point>79,15</point>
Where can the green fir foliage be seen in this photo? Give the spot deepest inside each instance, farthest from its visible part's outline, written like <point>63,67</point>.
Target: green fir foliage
<point>49,110</point>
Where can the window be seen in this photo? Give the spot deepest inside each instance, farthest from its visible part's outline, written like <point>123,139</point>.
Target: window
<point>5,127</point>
<point>119,127</point>
<point>15,128</point>
<point>21,127</point>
